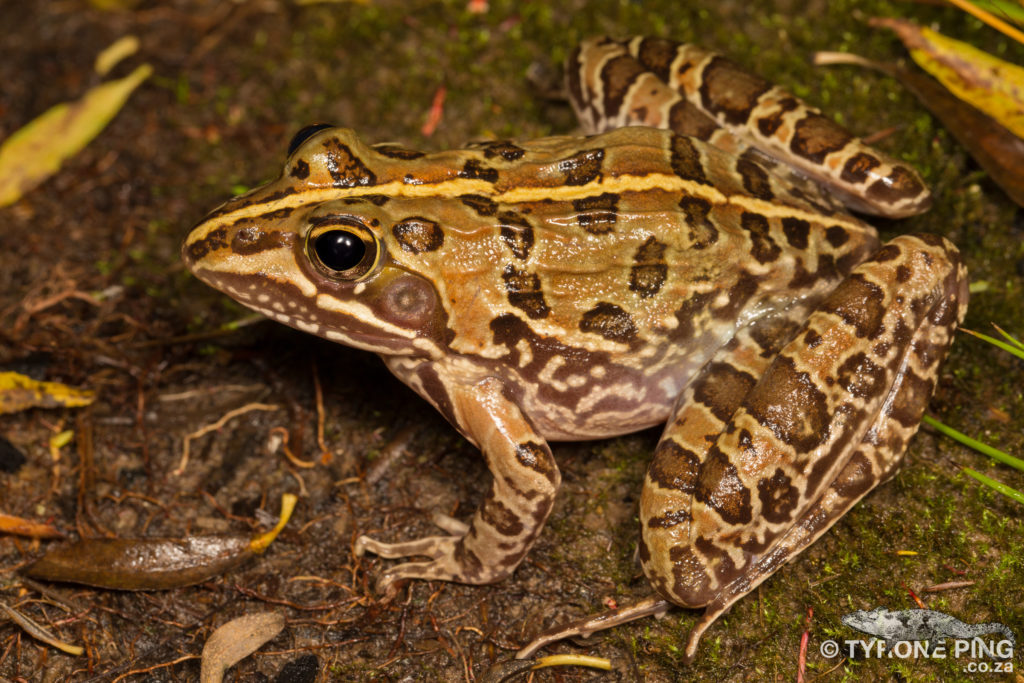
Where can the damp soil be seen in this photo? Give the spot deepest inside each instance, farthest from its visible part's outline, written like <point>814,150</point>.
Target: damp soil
<point>93,294</point>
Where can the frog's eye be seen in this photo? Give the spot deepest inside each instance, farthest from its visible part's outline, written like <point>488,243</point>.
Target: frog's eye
<point>345,253</point>
<point>305,134</point>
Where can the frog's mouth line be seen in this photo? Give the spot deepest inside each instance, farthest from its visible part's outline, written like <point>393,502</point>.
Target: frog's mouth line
<point>323,315</point>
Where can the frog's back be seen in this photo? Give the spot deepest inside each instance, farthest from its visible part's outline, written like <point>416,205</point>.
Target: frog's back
<point>629,249</point>
<point>620,241</point>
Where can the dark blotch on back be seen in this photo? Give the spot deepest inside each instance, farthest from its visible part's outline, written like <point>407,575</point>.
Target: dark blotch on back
<point>393,151</point>
<point>763,247</point>
<point>796,231</point>
<point>524,292</point>
<point>703,232</point>
<point>597,215</point>
<point>582,167</point>
<point>755,179</point>
<point>647,275</point>
<point>609,321</point>
<point>837,235</point>
<point>685,160</point>
<point>789,404</point>
<point>516,233</point>
<point>504,149</point>
<point>473,169</point>
<point>816,136</point>
<point>418,235</point>
<point>483,206</point>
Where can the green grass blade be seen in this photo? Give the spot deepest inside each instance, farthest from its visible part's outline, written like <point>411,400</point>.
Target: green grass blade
<point>1013,340</point>
<point>991,452</point>
<point>1019,352</point>
<point>998,486</point>
<point>1008,10</point>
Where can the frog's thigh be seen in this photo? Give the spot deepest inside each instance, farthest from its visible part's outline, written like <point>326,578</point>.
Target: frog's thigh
<point>512,514</point>
<point>828,420</point>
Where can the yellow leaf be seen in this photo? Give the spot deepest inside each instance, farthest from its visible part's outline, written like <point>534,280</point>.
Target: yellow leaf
<point>18,392</point>
<point>976,77</point>
<point>35,152</point>
<point>59,441</point>
<point>118,50</point>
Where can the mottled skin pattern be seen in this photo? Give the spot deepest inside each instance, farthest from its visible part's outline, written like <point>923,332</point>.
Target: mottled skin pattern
<point>580,287</point>
<point>919,624</point>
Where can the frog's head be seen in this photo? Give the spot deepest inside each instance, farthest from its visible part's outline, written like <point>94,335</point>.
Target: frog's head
<point>315,248</point>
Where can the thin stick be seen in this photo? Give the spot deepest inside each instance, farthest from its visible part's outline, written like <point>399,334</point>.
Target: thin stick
<point>203,431</point>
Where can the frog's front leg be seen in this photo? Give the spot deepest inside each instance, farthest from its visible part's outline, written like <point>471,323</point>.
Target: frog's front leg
<point>515,508</point>
<point>758,462</point>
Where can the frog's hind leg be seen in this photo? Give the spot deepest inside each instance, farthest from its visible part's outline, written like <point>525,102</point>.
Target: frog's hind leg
<point>748,474</point>
<point>685,88</point>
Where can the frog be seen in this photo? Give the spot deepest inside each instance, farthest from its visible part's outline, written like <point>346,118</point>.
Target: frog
<point>696,257</point>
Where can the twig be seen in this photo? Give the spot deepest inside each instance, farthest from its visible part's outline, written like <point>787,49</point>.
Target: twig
<point>203,431</point>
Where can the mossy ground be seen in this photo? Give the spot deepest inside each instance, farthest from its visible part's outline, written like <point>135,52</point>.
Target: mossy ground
<point>233,83</point>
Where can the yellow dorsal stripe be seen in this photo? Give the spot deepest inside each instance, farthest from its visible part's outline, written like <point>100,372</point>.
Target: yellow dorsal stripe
<point>459,187</point>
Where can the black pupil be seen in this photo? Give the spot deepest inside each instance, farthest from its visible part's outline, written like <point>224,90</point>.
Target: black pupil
<point>339,249</point>
<point>305,134</point>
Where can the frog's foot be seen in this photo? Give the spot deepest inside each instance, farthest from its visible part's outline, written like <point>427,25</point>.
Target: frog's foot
<point>505,526</point>
<point>436,548</point>
<point>587,626</point>
<point>440,565</point>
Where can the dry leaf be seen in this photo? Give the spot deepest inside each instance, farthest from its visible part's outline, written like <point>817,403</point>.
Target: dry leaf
<point>142,564</point>
<point>19,392</point>
<point>236,640</point>
<point>38,632</point>
<point>35,152</point>
<point>976,77</point>
<point>9,524</point>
